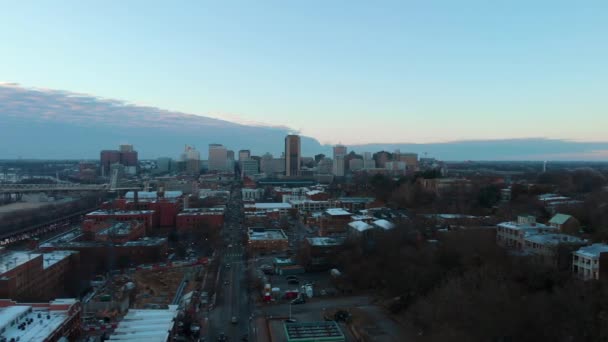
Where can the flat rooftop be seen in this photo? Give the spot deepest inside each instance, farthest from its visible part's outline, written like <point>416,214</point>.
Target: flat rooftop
<point>202,211</point>
<point>325,241</point>
<point>51,258</point>
<point>13,259</point>
<point>517,226</point>
<point>119,228</point>
<point>276,205</point>
<point>313,331</point>
<point>261,234</point>
<point>593,251</point>
<point>147,195</point>
<point>119,212</point>
<point>145,325</point>
<point>43,322</point>
<point>554,239</point>
<point>356,199</point>
<point>337,212</point>
<point>147,241</point>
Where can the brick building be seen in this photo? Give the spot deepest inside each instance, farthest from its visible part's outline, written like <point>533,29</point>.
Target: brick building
<point>265,240</point>
<point>28,276</point>
<point>334,221</point>
<point>58,320</point>
<point>96,256</point>
<point>200,218</point>
<point>317,252</point>
<point>148,217</point>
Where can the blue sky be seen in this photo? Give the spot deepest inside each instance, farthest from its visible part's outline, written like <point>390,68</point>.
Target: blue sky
<point>340,71</point>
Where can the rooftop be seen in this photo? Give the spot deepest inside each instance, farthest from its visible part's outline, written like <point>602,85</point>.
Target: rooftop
<point>356,199</point>
<point>517,226</point>
<point>202,211</point>
<point>560,219</point>
<point>146,241</point>
<point>260,234</point>
<point>318,331</point>
<point>43,324</point>
<point>324,241</point>
<point>120,212</point>
<point>51,258</point>
<point>360,226</point>
<point>145,325</point>
<point>276,205</point>
<point>337,212</point>
<point>13,259</point>
<point>384,224</point>
<point>554,239</point>
<point>119,228</point>
<point>153,194</point>
<point>593,251</point>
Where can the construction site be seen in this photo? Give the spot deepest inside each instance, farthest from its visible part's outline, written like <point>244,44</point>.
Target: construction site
<point>147,287</point>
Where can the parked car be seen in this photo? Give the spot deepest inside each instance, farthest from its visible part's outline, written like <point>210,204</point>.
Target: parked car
<point>234,320</point>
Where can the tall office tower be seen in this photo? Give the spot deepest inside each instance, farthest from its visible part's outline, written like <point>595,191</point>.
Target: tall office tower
<point>355,164</point>
<point>230,160</point>
<point>126,148</point>
<point>368,161</point>
<point>410,159</point>
<point>339,151</point>
<point>324,167</point>
<point>244,155</point>
<point>163,164</point>
<point>381,158</point>
<point>338,168</point>
<point>218,157</point>
<point>249,167</point>
<point>106,159</point>
<point>266,164</point>
<point>292,155</point>
<point>192,158</point>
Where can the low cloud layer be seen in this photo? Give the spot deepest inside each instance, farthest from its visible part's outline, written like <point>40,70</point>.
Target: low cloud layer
<point>46,123</point>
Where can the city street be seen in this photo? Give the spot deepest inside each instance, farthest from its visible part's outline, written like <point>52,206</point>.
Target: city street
<point>230,316</point>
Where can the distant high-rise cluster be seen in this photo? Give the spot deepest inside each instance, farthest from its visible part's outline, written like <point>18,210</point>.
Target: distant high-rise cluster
<point>125,156</point>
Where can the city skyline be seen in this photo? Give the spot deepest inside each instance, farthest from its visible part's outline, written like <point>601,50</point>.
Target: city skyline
<point>366,75</point>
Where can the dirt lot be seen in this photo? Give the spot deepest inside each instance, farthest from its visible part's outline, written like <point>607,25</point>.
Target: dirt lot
<point>157,287</point>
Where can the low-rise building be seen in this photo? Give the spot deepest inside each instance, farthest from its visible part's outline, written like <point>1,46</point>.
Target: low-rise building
<point>590,262</point>
<point>554,250</point>
<point>252,194</point>
<point>353,203</point>
<point>327,331</point>
<point>565,223</point>
<point>309,206</point>
<point>359,229</point>
<point>334,221</point>
<point>265,240</point>
<point>120,232</point>
<point>512,234</point>
<point>148,217</point>
<point>146,325</point>
<point>58,320</point>
<point>318,252</point>
<point>190,220</point>
<point>29,276</point>
<point>283,209</point>
<point>96,255</point>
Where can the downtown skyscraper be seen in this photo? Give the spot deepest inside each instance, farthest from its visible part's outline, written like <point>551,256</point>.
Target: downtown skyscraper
<point>292,155</point>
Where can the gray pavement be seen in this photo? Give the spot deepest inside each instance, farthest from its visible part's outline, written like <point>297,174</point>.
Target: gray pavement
<point>232,292</point>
